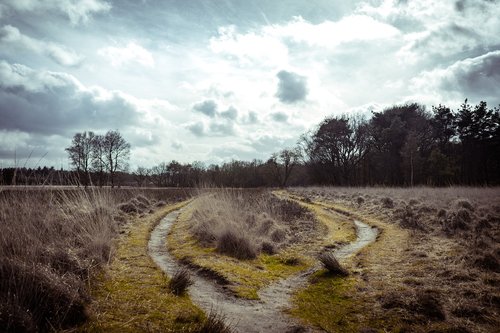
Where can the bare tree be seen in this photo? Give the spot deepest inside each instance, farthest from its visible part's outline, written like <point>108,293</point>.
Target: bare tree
<point>80,154</point>
<point>141,175</point>
<point>116,153</point>
<point>284,162</point>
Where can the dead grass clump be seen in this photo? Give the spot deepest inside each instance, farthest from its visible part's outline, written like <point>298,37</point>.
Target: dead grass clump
<point>238,223</point>
<point>142,199</point>
<point>128,207</point>
<point>464,203</point>
<point>215,323</point>
<point>408,218</point>
<point>459,220</point>
<point>236,246</point>
<point>487,262</point>
<point>387,202</point>
<point>268,248</point>
<point>180,282</point>
<point>278,235</point>
<point>331,263</point>
<point>52,299</point>
<point>428,306</point>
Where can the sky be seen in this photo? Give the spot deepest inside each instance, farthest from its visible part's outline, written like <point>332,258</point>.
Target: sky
<point>218,80</point>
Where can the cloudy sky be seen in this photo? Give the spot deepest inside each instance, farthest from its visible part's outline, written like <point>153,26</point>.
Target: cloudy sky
<point>213,80</point>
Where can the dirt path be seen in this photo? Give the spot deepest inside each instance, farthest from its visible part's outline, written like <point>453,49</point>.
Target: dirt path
<point>264,315</point>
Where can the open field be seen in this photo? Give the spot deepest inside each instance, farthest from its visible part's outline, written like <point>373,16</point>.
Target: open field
<point>251,260</point>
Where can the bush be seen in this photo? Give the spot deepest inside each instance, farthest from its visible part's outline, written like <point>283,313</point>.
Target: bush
<point>331,264</point>
<point>179,283</point>
<point>236,246</point>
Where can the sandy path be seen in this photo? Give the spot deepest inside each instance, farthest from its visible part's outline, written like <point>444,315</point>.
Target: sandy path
<point>264,315</point>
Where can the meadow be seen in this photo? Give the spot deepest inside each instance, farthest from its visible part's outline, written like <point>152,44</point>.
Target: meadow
<point>79,259</point>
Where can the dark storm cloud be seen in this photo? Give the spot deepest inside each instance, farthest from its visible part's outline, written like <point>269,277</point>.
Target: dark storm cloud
<point>292,87</point>
<point>475,77</point>
<point>208,108</point>
<point>49,103</point>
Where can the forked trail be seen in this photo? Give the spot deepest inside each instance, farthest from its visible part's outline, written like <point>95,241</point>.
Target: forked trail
<point>264,315</point>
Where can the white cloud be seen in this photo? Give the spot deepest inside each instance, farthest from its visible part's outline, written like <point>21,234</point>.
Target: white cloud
<point>132,52</point>
<point>476,78</point>
<point>78,11</point>
<point>11,37</point>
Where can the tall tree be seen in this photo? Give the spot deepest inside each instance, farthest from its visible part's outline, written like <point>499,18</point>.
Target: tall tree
<point>337,147</point>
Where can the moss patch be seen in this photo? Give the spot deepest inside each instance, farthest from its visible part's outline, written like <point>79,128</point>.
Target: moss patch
<point>132,294</point>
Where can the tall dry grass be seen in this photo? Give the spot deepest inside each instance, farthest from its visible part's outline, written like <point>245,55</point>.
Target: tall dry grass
<point>244,223</point>
<point>51,242</point>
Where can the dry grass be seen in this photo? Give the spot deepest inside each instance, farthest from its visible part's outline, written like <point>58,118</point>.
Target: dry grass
<point>242,223</point>
<point>331,264</point>
<point>280,254</point>
<point>133,294</point>
<point>52,244</point>
<point>435,264</point>
<point>180,282</point>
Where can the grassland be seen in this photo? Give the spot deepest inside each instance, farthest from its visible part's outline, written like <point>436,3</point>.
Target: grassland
<point>78,258</point>
<point>430,269</point>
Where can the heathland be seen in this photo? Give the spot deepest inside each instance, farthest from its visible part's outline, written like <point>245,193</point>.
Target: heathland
<point>334,259</point>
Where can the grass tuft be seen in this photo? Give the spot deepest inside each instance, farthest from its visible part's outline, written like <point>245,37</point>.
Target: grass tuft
<point>236,246</point>
<point>331,263</point>
<point>214,323</point>
<point>180,282</point>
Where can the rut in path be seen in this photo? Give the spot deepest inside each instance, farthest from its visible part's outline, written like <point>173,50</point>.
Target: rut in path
<point>264,315</point>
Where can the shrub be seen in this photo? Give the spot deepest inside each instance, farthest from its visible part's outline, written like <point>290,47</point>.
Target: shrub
<point>331,264</point>
<point>236,246</point>
<point>179,283</point>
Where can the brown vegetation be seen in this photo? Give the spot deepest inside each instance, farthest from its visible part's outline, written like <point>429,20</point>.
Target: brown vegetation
<point>52,242</point>
<point>441,270</point>
<point>244,224</point>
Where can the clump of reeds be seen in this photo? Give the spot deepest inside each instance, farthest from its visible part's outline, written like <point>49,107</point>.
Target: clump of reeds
<point>180,282</point>
<point>214,323</point>
<point>331,264</point>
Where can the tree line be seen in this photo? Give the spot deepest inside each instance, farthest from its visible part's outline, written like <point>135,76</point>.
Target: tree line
<point>403,145</point>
